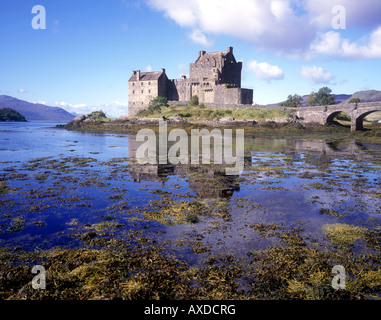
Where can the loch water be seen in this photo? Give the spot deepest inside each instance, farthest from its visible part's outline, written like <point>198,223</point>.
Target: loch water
<point>56,184</point>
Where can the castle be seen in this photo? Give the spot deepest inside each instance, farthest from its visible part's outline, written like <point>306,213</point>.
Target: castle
<point>215,78</point>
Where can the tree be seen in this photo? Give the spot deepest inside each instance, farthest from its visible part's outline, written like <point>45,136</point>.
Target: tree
<point>8,114</point>
<point>156,104</point>
<point>311,99</point>
<point>321,98</point>
<point>293,101</point>
<point>194,101</point>
<point>355,100</point>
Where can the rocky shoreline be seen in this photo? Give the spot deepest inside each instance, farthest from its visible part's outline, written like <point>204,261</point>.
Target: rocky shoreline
<point>88,121</point>
<point>98,122</point>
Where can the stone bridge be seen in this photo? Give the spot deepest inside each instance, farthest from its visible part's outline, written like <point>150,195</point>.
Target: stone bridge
<point>326,114</point>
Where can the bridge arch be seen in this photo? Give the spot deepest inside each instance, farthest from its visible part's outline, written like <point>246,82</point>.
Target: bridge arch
<point>331,118</point>
<point>360,119</point>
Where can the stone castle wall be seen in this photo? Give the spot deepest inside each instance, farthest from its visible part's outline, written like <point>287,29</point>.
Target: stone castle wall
<point>215,78</point>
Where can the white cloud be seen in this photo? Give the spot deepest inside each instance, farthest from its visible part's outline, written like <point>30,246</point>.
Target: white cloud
<point>113,110</point>
<point>77,108</point>
<point>265,71</point>
<point>198,37</point>
<point>21,90</point>
<point>183,12</point>
<point>265,23</point>
<point>181,67</point>
<point>148,68</point>
<point>290,27</point>
<point>364,13</point>
<point>332,44</point>
<point>40,102</point>
<point>316,75</point>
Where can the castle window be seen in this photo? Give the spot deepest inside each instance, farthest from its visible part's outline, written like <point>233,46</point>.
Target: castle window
<point>133,91</point>
<point>149,91</point>
<point>142,83</point>
<point>149,83</point>
<point>142,91</point>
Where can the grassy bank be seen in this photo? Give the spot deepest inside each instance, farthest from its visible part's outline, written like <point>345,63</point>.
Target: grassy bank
<point>202,113</point>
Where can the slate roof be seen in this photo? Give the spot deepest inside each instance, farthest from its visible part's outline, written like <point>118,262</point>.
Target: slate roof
<point>212,55</point>
<point>148,76</point>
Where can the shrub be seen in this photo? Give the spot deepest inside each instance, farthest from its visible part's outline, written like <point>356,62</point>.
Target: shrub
<point>185,115</point>
<point>343,117</point>
<point>98,115</point>
<point>355,100</point>
<point>156,104</point>
<point>293,101</point>
<point>194,101</point>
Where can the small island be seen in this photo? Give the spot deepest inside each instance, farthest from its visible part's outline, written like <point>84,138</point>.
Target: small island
<point>10,115</point>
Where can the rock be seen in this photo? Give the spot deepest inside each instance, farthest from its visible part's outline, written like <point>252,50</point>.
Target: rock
<point>177,119</point>
<point>227,119</point>
<point>88,120</point>
<point>282,120</point>
<point>79,119</point>
<point>88,236</point>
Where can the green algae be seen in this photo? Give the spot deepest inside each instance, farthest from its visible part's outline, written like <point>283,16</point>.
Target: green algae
<point>343,234</point>
<point>4,187</point>
<point>296,267</point>
<point>17,224</point>
<point>168,211</point>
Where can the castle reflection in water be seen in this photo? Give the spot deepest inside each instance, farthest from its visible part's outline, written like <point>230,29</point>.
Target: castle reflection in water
<point>209,181</point>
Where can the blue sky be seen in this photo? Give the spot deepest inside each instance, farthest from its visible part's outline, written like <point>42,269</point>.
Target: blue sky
<point>83,59</point>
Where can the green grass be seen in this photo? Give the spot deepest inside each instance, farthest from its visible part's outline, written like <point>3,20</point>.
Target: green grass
<point>98,116</point>
<point>203,113</point>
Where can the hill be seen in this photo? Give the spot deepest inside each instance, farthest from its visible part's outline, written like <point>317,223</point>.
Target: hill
<point>364,96</point>
<point>8,114</point>
<point>339,98</point>
<point>367,96</point>
<point>35,111</point>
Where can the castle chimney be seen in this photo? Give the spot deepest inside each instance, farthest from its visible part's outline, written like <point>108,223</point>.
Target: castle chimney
<point>138,75</point>
<point>163,70</point>
<point>201,53</point>
<point>230,49</point>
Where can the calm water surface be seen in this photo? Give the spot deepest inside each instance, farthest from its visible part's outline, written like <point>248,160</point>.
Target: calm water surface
<point>57,182</point>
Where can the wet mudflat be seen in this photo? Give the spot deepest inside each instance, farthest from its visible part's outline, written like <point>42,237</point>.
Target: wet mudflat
<point>104,226</point>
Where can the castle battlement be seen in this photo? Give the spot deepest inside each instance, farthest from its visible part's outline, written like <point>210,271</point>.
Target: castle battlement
<point>214,77</point>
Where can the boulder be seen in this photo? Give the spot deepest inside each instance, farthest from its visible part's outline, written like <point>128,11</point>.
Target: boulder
<point>177,119</point>
<point>227,119</point>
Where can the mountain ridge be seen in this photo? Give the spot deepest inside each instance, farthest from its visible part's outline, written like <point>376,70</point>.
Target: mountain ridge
<point>365,96</point>
<point>35,111</point>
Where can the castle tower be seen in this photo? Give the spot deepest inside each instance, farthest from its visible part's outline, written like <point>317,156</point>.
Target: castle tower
<point>214,77</point>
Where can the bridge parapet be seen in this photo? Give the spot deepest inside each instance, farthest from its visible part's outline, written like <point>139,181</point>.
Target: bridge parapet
<point>324,114</point>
